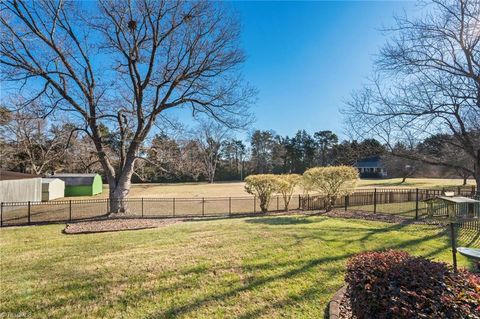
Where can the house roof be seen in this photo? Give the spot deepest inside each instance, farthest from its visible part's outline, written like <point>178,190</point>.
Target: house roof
<point>9,175</point>
<point>71,179</point>
<point>374,161</point>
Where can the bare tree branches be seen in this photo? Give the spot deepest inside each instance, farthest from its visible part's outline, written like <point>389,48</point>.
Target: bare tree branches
<point>123,67</point>
<point>427,82</point>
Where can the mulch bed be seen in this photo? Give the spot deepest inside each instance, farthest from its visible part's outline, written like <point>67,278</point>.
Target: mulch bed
<point>109,225</point>
<point>387,218</point>
<point>345,309</point>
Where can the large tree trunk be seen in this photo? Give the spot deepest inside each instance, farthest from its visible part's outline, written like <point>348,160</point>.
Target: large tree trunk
<point>476,176</point>
<point>120,188</point>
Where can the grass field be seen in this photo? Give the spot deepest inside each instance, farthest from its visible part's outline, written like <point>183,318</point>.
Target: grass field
<point>263,267</point>
<point>227,189</point>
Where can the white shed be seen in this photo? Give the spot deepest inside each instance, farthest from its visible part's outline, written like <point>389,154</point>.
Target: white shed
<point>52,188</point>
<point>19,187</point>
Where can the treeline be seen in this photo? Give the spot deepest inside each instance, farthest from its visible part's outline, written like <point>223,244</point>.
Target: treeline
<point>208,152</point>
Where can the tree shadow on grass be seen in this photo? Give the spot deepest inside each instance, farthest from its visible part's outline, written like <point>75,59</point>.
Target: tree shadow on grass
<point>282,221</point>
<point>175,311</point>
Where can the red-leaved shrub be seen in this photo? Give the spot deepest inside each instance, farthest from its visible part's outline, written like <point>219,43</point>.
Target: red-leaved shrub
<point>393,284</point>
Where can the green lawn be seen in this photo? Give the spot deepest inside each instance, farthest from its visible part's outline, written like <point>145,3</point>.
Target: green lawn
<point>278,266</point>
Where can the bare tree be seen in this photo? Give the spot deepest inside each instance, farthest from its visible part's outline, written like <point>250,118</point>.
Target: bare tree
<point>440,147</point>
<point>427,82</point>
<point>210,137</point>
<point>191,163</point>
<point>121,65</point>
<point>35,144</point>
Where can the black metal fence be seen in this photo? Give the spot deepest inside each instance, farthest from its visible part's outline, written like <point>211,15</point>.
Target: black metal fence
<point>408,203</point>
<point>29,213</point>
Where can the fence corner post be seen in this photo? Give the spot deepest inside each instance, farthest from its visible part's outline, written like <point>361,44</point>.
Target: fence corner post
<point>29,213</point>
<point>375,201</point>
<point>70,210</point>
<point>454,246</point>
<point>416,204</point>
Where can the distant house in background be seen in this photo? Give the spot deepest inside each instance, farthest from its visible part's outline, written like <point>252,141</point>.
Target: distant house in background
<point>52,188</point>
<point>20,187</point>
<point>81,184</point>
<point>371,167</point>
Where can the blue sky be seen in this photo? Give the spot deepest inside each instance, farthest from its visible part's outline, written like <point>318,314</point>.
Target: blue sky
<point>305,58</point>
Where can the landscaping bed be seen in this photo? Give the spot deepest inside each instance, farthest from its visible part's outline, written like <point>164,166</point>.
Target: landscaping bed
<point>108,225</point>
<point>381,217</point>
<point>394,284</point>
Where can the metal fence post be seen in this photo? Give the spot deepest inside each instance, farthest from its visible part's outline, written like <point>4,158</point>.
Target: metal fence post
<point>254,204</point>
<point>70,210</point>
<point>454,246</point>
<point>278,206</point>
<point>1,214</point>
<point>346,202</point>
<point>203,206</point>
<point>375,201</point>
<point>300,202</point>
<point>173,207</point>
<point>29,211</point>
<point>142,207</point>
<point>230,206</point>
<point>416,205</point>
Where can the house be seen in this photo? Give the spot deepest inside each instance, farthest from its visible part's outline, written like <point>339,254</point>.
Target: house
<point>81,184</point>
<point>20,187</point>
<point>371,167</point>
<point>52,188</point>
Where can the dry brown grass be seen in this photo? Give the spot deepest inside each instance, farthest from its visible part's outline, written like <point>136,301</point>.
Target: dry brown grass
<point>233,189</point>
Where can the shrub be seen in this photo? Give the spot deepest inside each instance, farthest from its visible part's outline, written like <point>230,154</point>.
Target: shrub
<point>393,284</point>
<point>286,186</point>
<point>262,186</point>
<point>333,181</point>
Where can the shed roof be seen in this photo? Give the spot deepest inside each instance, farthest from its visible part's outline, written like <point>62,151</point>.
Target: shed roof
<point>458,199</point>
<point>76,179</point>
<point>49,180</point>
<point>9,175</point>
<point>455,199</point>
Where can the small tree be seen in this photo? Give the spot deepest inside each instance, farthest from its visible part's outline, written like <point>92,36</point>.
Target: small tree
<point>262,186</point>
<point>286,186</point>
<point>333,181</point>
